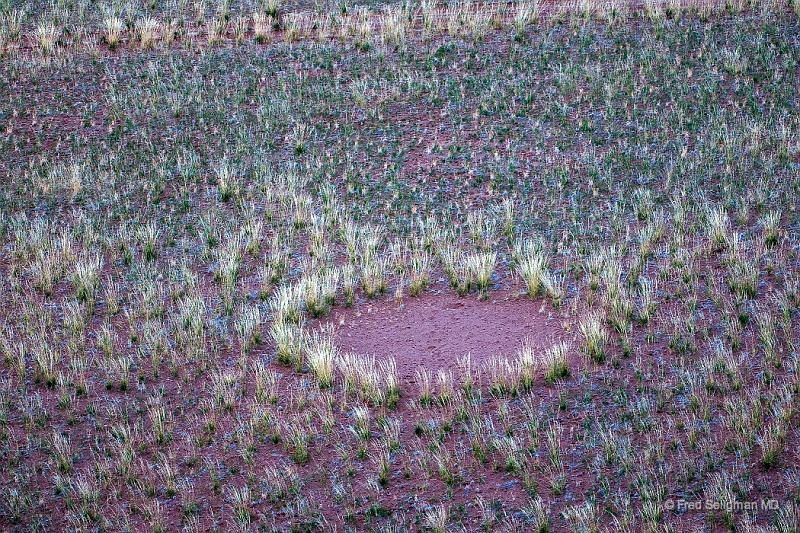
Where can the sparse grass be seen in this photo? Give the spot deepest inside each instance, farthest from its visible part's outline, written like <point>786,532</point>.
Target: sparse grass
<point>289,339</point>
<point>437,518</point>
<point>595,337</point>
<point>263,25</point>
<point>47,37</point>
<point>146,32</point>
<point>583,518</point>
<point>394,26</point>
<point>717,227</point>
<point>321,355</point>
<point>216,171</point>
<point>532,266</point>
<point>479,269</point>
<point>420,277</point>
<point>527,13</point>
<point>112,33</point>
<point>297,440</point>
<point>555,363</point>
<point>248,327</point>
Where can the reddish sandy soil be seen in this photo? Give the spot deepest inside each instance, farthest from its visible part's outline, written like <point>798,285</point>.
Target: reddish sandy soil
<point>433,330</point>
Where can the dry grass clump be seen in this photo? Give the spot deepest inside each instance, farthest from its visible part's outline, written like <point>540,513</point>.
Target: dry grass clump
<point>321,356</point>
<point>370,381</point>
<point>555,363</point>
<point>289,339</point>
<point>113,28</point>
<point>394,26</point>
<point>480,267</point>
<point>146,32</point>
<point>532,266</point>
<point>263,26</point>
<point>527,13</point>
<point>595,337</point>
<point>47,35</point>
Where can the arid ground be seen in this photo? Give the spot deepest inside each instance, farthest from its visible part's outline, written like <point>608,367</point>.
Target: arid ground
<point>314,266</point>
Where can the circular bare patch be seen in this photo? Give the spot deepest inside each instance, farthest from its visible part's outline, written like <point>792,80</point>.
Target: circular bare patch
<point>434,330</point>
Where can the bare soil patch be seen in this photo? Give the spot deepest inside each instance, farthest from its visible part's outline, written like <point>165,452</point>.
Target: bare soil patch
<point>435,329</point>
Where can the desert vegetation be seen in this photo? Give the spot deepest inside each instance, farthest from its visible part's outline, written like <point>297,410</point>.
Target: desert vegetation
<point>198,198</point>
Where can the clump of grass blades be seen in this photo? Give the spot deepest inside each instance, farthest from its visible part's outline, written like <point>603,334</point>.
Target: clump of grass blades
<point>595,337</point>
<point>146,30</point>
<point>47,35</point>
<point>532,265</point>
<point>321,356</point>
<point>289,339</point>
<point>372,382</point>
<point>480,267</point>
<point>555,363</point>
<point>112,30</point>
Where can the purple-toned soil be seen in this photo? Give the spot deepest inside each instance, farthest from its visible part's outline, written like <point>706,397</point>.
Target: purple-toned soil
<point>434,330</point>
